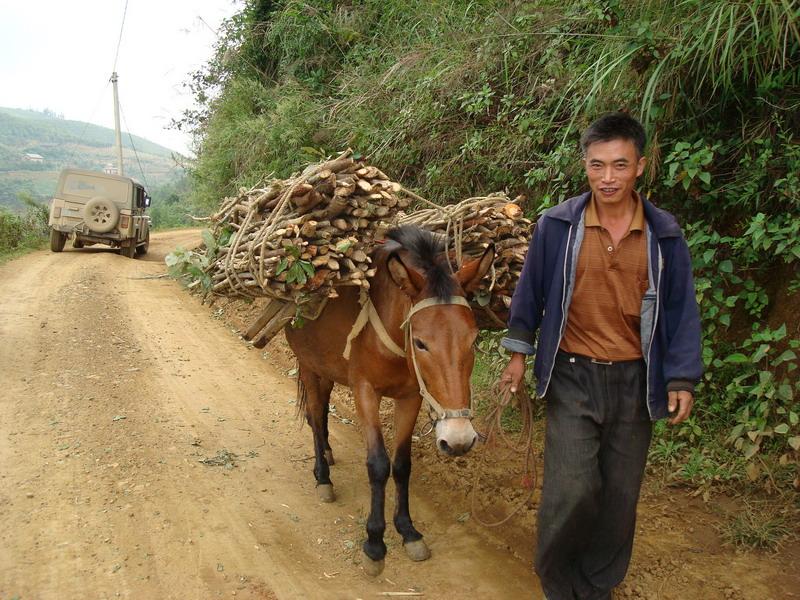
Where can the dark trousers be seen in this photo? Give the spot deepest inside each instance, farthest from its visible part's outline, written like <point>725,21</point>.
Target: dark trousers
<point>598,434</point>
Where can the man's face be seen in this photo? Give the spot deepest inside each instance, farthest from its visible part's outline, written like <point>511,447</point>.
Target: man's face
<point>612,168</point>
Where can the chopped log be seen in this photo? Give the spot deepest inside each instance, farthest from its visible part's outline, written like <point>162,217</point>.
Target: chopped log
<point>301,189</point>
<point>336,206</point>
<point>271,309</point>
<point>344,188</point>
<point>338,165</point>
<point>319,176</point>
<point>308,229</point>
<point>284,314</point>
<point>342,224</point>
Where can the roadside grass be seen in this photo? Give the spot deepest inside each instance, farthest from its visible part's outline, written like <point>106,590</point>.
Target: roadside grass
<point>7,255</point>
<point>22,233</point>
<point>756,528</point>
<point>182,227</point>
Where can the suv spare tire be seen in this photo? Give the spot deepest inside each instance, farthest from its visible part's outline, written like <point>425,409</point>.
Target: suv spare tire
<point>101,214</point>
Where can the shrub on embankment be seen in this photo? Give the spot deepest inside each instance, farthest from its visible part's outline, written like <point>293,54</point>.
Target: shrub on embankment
<point>461,98</point>
<point>22,231</point>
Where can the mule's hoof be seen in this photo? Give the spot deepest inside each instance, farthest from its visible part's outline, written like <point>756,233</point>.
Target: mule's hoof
<point>329,458</point>
<point>325,492</point>
<point>373,568</point>
<point>417,550</point>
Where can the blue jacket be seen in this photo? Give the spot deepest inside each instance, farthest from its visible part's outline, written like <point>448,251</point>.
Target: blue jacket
<point>670,322</point>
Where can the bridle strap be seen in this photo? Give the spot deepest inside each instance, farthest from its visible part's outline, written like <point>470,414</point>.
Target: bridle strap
<point>369,314</point>
<point>433,302</point>
<point>437,411</point>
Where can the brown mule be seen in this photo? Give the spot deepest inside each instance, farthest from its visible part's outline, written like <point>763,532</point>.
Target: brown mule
<point>415,303</point>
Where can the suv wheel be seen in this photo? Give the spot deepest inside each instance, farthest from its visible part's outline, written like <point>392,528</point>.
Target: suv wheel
<point>76,243</point>
<point>129,251</point>
<point>57,240</point>
<point>142,250</point>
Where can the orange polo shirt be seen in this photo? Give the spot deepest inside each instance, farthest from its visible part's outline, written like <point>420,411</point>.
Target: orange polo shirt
<point>605,310</point>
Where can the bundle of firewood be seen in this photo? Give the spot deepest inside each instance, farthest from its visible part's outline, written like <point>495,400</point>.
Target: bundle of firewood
<point>469,227</point>
<point>297,240</point>
<point>306,234</point>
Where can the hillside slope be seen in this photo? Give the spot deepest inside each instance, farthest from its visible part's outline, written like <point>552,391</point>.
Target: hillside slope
<point>459,99</point>
<point>63,143</point>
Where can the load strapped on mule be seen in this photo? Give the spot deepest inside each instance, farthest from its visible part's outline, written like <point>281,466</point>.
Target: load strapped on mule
<point>381,299</point>
<point>296,241</point>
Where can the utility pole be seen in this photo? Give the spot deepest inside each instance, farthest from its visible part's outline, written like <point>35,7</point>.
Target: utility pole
<point>116,125</point>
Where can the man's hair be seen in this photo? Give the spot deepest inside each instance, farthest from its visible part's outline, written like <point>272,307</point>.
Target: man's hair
<point>615,126</point>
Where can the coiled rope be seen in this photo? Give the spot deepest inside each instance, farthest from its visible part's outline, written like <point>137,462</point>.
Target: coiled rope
<point>522,445</point>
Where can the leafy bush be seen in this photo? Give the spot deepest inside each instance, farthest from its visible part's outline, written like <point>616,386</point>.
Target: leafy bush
<point>170,207</point>
<point>27,230</point>
<point>189,266</point>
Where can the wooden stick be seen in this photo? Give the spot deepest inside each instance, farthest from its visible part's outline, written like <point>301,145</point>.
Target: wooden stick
<point>270,311</point>
<point>281,318</point>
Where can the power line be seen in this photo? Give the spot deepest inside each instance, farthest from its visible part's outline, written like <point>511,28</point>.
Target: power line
<point>130,137</point>
<point>88,122</point>
<point>119,41</point>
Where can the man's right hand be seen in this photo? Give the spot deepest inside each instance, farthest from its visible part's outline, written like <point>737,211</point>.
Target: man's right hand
<point>513,373</point>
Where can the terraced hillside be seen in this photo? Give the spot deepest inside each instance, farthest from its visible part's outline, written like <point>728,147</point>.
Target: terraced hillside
<point>60,143</point>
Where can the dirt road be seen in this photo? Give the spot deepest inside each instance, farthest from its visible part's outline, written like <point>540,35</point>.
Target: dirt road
<point>115,385</point>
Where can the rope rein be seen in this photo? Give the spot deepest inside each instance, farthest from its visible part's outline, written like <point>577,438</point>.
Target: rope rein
<point>523,446</point>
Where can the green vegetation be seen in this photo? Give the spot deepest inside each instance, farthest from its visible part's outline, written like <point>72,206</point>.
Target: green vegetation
<point>757,528</point>
<point>20,232</point>
<point>462,98</point>
<point>170,208</point>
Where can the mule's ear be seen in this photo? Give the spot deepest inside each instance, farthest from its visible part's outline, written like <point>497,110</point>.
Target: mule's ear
<point>471,273</point>
<point>406,278</point>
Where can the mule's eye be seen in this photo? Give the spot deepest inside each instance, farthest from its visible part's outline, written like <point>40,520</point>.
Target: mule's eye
<point>420,346</point>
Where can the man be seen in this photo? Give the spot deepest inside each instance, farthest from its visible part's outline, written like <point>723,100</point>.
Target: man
<point>607,283</point>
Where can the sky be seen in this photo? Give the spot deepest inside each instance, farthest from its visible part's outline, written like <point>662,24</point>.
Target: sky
<point>59,55</point>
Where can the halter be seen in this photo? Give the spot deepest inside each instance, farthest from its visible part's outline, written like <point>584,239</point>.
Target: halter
<point>368,313</point>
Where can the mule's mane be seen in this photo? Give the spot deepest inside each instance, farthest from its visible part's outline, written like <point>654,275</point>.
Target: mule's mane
<point>427,253</point>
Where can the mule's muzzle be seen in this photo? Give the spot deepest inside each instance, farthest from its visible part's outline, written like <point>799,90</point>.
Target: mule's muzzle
<point>455,437</point>
<point>455,449</point>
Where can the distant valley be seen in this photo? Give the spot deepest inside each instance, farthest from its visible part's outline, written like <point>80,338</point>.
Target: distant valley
<point>35,146</point>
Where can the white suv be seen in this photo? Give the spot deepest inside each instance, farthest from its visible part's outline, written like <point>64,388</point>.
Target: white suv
<point>97,208</point>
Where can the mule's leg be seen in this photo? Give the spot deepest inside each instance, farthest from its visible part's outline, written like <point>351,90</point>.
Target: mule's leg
<point>316,409</point>
<point>378,468</point>
<point>325,387</point>
<point>405,416</point>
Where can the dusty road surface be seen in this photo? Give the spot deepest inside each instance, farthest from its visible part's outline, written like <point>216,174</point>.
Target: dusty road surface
<point>116,384</point>
<point>114,387</point>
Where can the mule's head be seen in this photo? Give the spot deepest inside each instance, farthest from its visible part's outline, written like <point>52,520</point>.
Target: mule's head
<point>443,335</point>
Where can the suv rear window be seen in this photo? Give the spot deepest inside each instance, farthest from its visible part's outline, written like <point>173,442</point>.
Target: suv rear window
<point>89,187</point>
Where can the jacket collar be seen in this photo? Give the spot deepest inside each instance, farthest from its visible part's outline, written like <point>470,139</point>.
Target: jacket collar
<point>663,223</point>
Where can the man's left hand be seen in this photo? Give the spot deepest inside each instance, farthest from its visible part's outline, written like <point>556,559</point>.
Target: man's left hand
<point>681,404</point>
